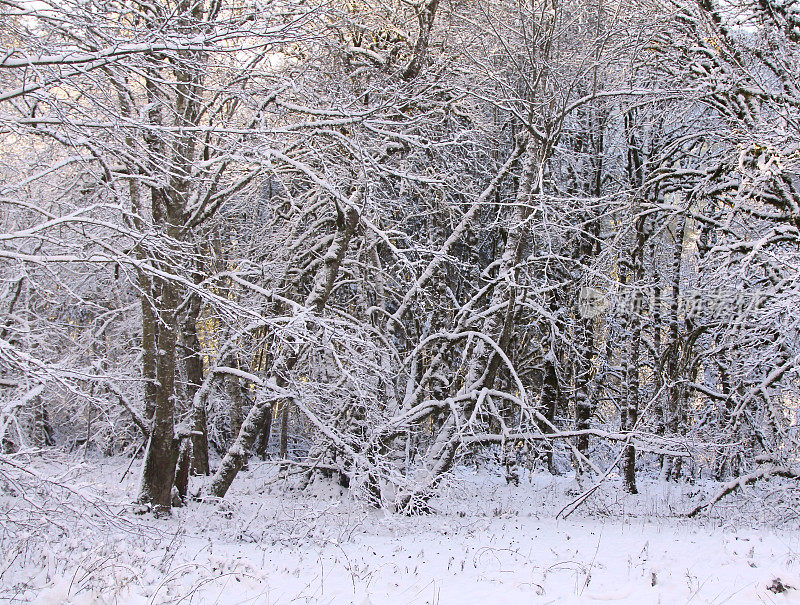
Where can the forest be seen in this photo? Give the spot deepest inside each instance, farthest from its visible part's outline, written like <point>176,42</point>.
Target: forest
<point>372,244</point>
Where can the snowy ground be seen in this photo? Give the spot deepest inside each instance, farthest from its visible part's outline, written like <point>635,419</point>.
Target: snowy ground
<point>486,541</point>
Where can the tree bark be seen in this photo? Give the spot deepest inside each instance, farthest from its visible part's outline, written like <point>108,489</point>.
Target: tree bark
<point>194,377</point>
<point>183,468</point>
<point>483,359</point>
<point>158,474</point>
<point>263,445</point>
<point>235,456</point>
<point>284,430</point>
<point>149,338</point>
<point>675,390</point>
<point>347,221</point>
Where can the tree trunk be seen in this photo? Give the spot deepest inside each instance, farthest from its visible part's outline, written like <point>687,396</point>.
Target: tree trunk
<point>672,468</point>
<point>235,456</point>
<point>159,465</point>
<point>194,378</point>
<point>632,395</point>
<point>483,359</point>
<point>149,338</point>
<point>41,431</point>
<point>183,467</point>
<point>584,405</point>
<point>549,403</point>
<point>263,445</point>
<point>346,223</point>
<point>233,388</point>
<point>284,429</point>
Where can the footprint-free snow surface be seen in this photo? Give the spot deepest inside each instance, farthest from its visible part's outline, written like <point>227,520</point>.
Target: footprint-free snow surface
<point>68,536</point>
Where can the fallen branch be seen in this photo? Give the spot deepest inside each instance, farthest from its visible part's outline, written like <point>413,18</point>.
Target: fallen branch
<point>769,469</point>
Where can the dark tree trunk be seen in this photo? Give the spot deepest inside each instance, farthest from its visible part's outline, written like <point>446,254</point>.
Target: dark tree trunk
<point>672,468</point>
<point>193,362</point>
<point>550,393</point>
<point>630,416</point>
<point>160,459</point>
<point>632,395</point>
<point>263,444</point>
<point>42,431</point>
<point>149,338</point>
<point>632,370</point>
<point>284,429</point>
<point>183,467</point>
<point>233,388</point>
<point>584,406</point>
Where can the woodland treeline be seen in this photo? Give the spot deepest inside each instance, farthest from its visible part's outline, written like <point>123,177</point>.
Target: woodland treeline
<point>379,239</point>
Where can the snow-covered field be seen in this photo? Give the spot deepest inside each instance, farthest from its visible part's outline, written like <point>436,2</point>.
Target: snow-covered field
<point>486,542</point>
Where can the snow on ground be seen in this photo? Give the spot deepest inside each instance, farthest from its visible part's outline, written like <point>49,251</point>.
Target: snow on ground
<point>485,542</point>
